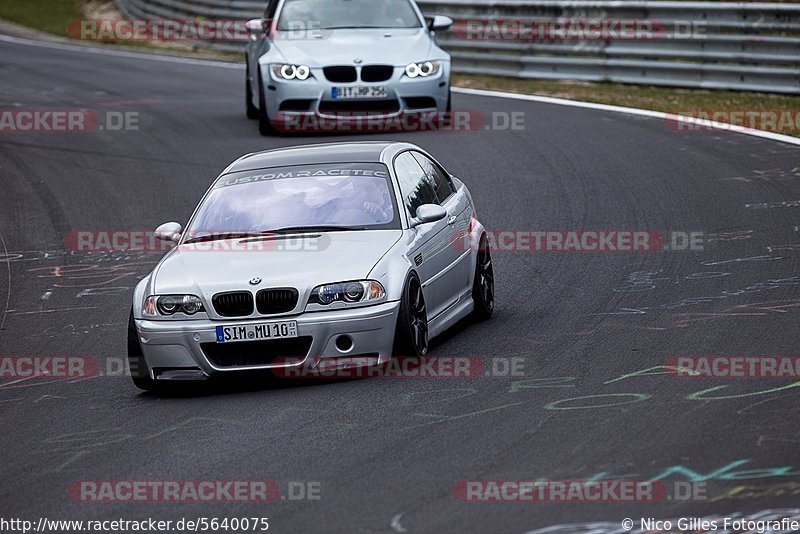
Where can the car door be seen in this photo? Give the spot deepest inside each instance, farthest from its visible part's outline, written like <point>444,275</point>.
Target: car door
<point>459,210</point>
<point>430,249</point>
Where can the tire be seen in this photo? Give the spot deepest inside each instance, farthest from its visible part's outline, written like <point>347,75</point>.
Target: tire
<point>252,111</point>
<point>136,362</point>
<point>483,285</point>
<point>264,124</point>
<point>447,115</point>
<point>411,332</point>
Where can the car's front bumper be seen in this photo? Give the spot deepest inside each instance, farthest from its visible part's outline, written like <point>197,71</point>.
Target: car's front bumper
<point>178,345</point>
<point>295,100</point>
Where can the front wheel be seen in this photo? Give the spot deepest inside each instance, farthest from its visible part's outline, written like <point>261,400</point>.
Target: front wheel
<point>136,362</point>
<point>447,114</point>
<point>264,123</point>
<point>483,286</point>
<point>252,111</point>
<point>411,333</point>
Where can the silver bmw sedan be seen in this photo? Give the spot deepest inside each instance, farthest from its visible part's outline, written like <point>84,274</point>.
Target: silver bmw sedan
<point>344,252</point>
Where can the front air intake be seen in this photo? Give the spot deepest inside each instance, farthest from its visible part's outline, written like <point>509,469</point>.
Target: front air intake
<point>340,74</point>
<point>234,304</point>
<point>270,301</point>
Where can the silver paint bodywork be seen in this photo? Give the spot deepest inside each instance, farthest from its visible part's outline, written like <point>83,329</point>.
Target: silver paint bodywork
<point>357,47</point>
<point>445,266</point>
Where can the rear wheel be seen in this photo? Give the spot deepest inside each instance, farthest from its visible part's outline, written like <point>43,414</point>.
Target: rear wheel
<point>411,333</point>
<point>264,124</point>
<point>483,286</point>
<point>138,366</point>
<point>252,111</point>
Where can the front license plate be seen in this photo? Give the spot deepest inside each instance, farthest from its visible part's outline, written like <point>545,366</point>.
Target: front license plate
<point>256,332</point>
<point>359,91</point>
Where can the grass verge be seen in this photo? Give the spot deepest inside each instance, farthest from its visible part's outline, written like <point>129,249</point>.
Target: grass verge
<point>54,17</point>
<point>51,16</point>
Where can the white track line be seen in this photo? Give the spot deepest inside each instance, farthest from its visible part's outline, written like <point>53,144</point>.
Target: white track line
<point>476,92</point>
<point>631,111</point>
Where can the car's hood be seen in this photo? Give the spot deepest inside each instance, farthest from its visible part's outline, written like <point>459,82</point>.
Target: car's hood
<point>207,268</point>
<point>397,47</point>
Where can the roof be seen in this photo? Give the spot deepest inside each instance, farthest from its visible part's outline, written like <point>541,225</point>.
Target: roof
<point>353,152</point>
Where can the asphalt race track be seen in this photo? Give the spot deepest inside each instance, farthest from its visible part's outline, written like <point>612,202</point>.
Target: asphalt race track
<point>387,453</point>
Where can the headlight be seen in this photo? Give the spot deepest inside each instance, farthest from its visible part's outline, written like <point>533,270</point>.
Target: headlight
<point>361,291</point>
<point>156,306</point>
<point>291,72</point>
<point>422,70</point>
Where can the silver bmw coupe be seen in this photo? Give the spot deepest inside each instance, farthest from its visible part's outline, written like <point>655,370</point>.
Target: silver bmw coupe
<point>311,255</point>
<point>342,60</point>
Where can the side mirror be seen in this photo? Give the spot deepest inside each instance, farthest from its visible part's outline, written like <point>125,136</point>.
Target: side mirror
<point>170,231</point>
<point>256,29</point>
<point>428,213</point>
<point>440,23</point>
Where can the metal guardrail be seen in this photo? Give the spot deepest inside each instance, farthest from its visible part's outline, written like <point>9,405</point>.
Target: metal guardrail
<point>743,46</point>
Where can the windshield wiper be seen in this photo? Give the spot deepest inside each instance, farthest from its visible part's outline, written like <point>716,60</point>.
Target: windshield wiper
<point>356,27</point>
<point>221,237</point>
<point>267,233</point>
<point>306,229</point>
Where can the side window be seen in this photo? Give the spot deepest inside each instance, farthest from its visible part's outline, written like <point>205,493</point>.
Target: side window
<point>269,13</point>
<point>415,185</point>
<point>435,175</point>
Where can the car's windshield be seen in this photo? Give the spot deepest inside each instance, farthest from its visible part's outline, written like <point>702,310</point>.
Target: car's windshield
<point>322,197</point>
<point>336,14</point>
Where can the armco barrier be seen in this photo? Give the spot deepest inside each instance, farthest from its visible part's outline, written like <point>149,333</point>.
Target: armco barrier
<point>745,46</point>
